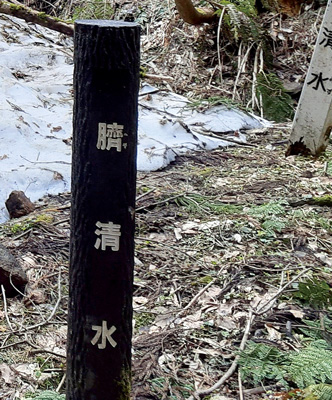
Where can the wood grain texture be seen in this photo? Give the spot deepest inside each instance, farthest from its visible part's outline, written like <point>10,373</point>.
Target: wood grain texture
<point>106,82</point>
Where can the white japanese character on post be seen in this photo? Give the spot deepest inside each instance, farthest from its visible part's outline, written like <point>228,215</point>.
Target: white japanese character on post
<point>109,136</point>
<point>109,236</point>
<point>105,334</point>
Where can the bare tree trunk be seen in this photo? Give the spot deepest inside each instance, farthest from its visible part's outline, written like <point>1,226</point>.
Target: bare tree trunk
<point>191,15</point>
<point>40,18</point>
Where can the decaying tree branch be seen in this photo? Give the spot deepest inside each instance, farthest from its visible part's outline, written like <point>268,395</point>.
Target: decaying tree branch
<point>20,11</point>
<point>190,14</point>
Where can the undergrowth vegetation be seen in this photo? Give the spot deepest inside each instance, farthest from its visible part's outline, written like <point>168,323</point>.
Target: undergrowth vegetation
<point>228,243</point>
<point>98,9</point>
<point>46,395</point>
<point>251,57</point>
<point>233,247</point>
<point>261,364</point>
<point>257,218</point>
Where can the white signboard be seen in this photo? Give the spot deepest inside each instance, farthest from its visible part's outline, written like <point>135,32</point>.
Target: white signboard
<point>313,120</point>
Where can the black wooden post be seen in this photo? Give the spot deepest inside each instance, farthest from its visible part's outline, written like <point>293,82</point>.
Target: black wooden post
<point>106,80</point>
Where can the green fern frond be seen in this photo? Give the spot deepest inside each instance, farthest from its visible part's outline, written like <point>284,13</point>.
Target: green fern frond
<point>259,362</point>
<point>196,203</point>
<point>234,19</point>
<point>267,210</point>
<point>240,18</point>
<point>47,395</point>
<point>315,292</point>
<point>246,7</point>
<point>273,225</point>
<point>322,391</point>
<point>311,365</point>
<point>97,9</point>
<point>314,328</point>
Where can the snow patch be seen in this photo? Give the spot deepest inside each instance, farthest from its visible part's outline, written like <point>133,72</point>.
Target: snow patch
<point>36,70</point>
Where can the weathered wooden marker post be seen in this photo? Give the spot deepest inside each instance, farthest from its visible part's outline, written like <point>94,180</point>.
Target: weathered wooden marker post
<point>313,120</point>
<point>106,80</point>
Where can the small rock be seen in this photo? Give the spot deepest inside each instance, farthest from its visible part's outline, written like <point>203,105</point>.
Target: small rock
<point>11,273</point>
<point>18,204</point>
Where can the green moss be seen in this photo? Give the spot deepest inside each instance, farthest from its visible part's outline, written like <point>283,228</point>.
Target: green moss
<point>124,384</point>
<point>16,7</point>
<point>42,15</point>
<point>142,72</point>
<point>44,218</point>
<point>143,319</point>
<point>270,5</point>
<point>205,279</point>
<point>26,224</point>
<point>277,104</point>
<point>65,21</point>
<point>245,6</point>
<point>322,201</point>
<point>207,171</point>
<point>20,227</point>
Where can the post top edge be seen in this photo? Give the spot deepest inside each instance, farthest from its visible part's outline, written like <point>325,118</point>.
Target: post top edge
<point>106,23</point>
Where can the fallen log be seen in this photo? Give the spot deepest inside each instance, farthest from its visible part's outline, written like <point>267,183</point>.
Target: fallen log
<point>18,10</point>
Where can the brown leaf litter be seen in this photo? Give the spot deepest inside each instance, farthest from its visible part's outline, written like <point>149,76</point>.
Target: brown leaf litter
<point>205,257</point>
<point>222,237</point>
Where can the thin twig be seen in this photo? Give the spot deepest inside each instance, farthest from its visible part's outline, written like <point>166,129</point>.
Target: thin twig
<point>232,368</point>
<point>26,296</point>
<point>47,162</point>
<point>157,203</point>
<point>254,80</point>
<point>37,349</point>
<point>6,346</point>
<point>63,380</point>
<point>145,194</point>
<point>22,234</point>
<point>5,341</point>
<point>53,353</point>
<point>5,307</point>
<point>240,69</point>
<point>265,307</point>
<point>261,70</point>
<point>158,77</point>
<point>195,298</point>
<point>259,390</point>
<point>251,317</point>
<point>62,221</point>
<point>199,294</point>
<point>241,392</point>
<point>49,318</point>
<point>218,43</point>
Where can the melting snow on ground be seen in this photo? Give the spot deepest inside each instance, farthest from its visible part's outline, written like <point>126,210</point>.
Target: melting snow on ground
<point>36,68</point>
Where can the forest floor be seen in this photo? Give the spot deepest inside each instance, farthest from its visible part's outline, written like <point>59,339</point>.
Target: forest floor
<point>233,246</point>
<point>223,239</point>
